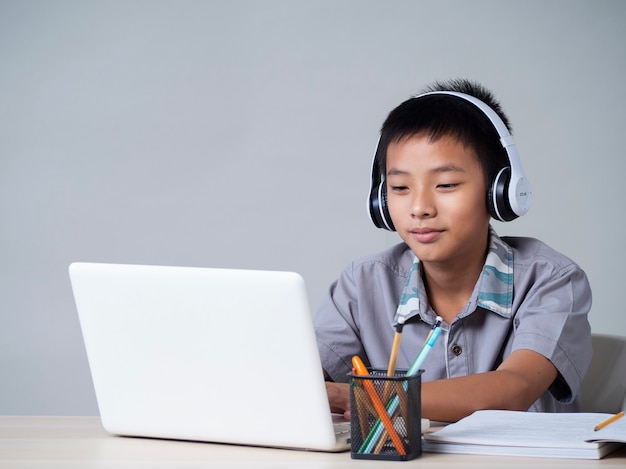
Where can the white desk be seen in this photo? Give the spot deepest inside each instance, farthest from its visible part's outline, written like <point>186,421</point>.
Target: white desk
<point>73,442</point>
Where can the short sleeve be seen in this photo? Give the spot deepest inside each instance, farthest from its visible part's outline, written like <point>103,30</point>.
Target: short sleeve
<point>552,320</point>
<point>336,330</point>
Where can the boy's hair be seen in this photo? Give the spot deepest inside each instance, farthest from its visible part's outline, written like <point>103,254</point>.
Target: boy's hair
<point>445,115</point>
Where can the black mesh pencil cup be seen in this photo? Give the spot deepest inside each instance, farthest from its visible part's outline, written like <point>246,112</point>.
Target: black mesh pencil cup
<point>386,416</point>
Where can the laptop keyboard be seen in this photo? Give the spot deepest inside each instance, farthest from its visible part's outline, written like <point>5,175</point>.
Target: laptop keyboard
<point>341,427</point>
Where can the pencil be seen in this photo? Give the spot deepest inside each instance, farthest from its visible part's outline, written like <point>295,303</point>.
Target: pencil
<point>391,369</point>
<point>360,399</point>
<point>608,421</point>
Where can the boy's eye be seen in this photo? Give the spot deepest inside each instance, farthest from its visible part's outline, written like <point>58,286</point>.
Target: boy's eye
<point>399,188</point>
<point>447,186</point>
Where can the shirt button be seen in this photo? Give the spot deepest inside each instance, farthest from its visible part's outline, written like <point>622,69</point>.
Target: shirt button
<point>457,350</point>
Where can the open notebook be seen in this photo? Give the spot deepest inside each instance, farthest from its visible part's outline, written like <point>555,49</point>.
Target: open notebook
<point>511,433</point>
<point>205,354</point>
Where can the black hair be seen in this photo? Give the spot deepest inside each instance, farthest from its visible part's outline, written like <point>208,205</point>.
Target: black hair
<point>446,115</point>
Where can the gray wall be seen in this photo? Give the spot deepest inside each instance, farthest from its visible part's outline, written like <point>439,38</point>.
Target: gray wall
<point>240,134</point>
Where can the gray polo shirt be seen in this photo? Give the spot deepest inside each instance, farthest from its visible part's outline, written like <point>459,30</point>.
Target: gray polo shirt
<point>528,297</point>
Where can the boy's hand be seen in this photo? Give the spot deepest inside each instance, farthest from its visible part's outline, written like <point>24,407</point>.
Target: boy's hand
<point>339,398</point>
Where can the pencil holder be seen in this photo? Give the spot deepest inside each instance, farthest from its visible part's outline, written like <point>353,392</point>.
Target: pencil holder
<point>386,416</point>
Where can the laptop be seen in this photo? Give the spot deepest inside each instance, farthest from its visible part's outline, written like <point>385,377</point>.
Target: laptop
<point>205,354</point>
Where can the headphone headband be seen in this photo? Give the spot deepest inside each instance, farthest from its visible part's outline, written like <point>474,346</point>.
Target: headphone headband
<point>509,195</point>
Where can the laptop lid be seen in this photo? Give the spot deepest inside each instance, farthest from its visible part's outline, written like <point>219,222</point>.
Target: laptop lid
<point>205,354</point>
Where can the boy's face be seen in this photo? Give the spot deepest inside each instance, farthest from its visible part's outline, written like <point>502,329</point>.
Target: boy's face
<point>436,194</point>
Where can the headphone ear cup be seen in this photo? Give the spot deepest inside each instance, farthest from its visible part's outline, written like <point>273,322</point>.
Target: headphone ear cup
<point>379,211</point>
<point>374,207</point>
<point>385,207</point>
<point>498,198</point>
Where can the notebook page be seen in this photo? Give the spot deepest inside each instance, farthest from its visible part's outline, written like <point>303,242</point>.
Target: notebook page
<point>527,429</point>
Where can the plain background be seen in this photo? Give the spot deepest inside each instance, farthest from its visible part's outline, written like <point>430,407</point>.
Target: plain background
<point>240,134</point>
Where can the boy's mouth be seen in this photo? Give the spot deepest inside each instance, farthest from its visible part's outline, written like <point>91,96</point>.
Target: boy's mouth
<point>425,235</point>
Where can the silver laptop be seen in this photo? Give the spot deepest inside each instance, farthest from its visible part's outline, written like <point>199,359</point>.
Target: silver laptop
<point>216,355</point>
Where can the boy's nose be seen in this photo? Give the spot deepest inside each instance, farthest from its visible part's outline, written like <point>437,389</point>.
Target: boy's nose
<point>423,206</point>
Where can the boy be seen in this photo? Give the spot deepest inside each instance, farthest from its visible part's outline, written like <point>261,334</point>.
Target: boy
<point>515,329</point>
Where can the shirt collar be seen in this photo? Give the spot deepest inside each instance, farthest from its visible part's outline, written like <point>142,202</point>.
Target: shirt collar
<point>493,292</point>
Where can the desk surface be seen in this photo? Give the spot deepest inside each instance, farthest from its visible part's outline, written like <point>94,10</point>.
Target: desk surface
<point>71,442</point>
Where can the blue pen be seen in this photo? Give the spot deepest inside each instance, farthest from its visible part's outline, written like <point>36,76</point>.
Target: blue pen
<point>432,338</point>
<point>377,429</point>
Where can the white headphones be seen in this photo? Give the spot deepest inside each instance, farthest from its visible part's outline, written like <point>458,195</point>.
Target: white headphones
<point>509,195</point>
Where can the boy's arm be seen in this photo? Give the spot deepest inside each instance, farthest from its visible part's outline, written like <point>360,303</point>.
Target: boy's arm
<point>518,382</point>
